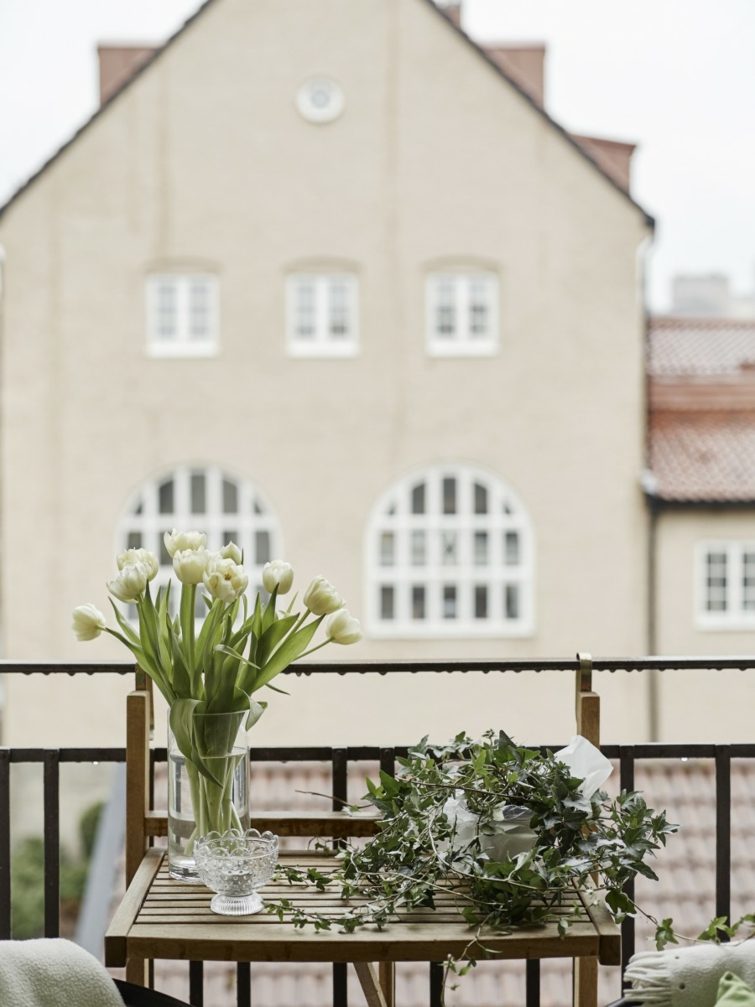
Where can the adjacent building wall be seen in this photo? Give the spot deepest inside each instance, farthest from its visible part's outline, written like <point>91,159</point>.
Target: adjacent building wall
<point>704,705</point>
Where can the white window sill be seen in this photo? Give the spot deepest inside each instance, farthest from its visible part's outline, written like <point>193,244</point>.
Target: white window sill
<point>182,350</point>
<point>323,350</point>
<point>403,630</point>
<point>462,349</point>
<point>725,623</point>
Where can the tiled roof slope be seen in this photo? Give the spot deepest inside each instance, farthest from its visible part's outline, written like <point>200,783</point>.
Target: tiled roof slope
<point>702,409</point>
<point>686,892</point>
<point>699,347</point>
<point>697,457</point>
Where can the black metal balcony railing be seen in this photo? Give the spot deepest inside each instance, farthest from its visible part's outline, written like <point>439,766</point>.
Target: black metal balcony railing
<point>339,761</point>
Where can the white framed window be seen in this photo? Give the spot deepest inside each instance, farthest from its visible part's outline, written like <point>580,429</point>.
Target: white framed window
<point>206,499</point>
<point>182,314</point>
<point>450,552</point>
<point>322,314</point>
<point>725,596</point>
<point>462,313</point>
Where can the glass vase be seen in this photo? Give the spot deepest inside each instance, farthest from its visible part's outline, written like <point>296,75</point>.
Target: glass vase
<point>208,786</point>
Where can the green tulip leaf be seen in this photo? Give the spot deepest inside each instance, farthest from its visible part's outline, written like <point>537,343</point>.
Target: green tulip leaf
<point>277,688</point>
<point>288,651</point>
<point>181,721</point>
<point>273,636</point>
<point>255,712</point>
<point>126,627</point>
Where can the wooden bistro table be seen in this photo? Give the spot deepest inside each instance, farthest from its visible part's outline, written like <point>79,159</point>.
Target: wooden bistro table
<point>163,918</point>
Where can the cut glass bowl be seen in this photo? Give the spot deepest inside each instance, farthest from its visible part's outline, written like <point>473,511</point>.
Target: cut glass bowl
<point>235,864</point>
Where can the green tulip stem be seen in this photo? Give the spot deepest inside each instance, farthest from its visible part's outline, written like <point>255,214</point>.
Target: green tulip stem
<point>301,620</point>
<point>313,649</point>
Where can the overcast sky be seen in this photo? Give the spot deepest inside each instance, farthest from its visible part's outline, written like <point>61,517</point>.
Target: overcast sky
<point>675,76</point>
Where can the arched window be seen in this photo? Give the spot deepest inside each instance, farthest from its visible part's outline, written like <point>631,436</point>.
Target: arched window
<point>450,553</point>
<point>202,498</point>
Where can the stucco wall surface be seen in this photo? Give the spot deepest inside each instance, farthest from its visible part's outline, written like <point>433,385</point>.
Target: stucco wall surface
<point>705,705</point>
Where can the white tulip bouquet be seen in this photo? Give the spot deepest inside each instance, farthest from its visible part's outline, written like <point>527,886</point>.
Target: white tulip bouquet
<point>218,667</point>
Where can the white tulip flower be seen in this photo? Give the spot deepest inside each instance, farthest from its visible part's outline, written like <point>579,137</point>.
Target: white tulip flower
<point>225,579</point>
<point>231,551</point>
<point>277,573</point>
<point>343,627</point>
<point>88,622</point>
<point>130,583</point>
<point>143,556</point>
<point>184,541</point>
<point>190,565</point>
<point>321,598</point>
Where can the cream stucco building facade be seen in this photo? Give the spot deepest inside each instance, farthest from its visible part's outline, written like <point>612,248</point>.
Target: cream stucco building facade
<point>370,141</point>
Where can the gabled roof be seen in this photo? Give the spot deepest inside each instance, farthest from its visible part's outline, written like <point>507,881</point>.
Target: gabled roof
<point>144,68</point>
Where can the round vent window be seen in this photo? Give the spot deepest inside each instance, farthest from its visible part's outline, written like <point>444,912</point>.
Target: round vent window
<point>320,99</point>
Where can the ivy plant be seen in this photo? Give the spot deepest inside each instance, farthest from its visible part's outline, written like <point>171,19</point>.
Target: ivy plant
<point>416,854</point>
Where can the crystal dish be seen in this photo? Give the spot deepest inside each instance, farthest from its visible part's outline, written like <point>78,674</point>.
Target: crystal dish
<point>235,864</point>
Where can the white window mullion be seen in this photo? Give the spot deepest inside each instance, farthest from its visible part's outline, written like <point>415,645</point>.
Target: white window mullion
<point>462,309</point>
<point>322,308</point>
<point>734,605</point>
<point>182,309</point>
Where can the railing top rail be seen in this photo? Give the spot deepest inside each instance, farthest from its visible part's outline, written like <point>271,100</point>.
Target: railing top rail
<point>444,665</point>
<point>372,753</point>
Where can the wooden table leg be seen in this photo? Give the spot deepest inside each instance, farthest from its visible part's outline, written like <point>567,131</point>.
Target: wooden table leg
<point>387,973</point>
<point>368,979</point>
<point>136,971</point>
<point>585,982</point>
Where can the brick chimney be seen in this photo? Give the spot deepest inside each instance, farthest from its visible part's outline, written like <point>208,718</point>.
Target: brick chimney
<point>118,63</point>
<point>524,64</point>
<point>613,156</point>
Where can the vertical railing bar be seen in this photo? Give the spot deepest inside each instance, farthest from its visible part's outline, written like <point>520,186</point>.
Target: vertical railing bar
<point>5,882</point>
<point>339,782</point>
<point>51,825</point>
<point>151,779</point>
<point>388,760</point>
<point>723,831</point>
<point>196,984</point>
<point>340,791</point>
<point>436,984</point>
<point>628,927</point>
<point>243,985</point>
<point>533,982</point>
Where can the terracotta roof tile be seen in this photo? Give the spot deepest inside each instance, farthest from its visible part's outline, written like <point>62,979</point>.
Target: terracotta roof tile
<point>698,347</point>
<point>699,456</point>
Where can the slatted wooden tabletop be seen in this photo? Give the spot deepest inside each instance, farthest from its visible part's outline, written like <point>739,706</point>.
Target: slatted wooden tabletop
<point>163,918</point>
